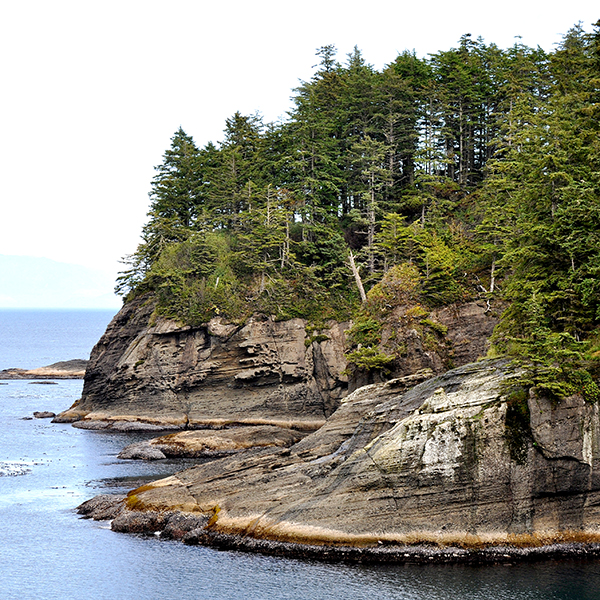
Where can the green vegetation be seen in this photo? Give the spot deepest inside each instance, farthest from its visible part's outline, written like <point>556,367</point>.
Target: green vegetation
<point>518,424</point>
<point>472,174</point>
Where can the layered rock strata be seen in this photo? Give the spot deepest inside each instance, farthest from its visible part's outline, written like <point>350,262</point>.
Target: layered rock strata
<point>442,462</point>
<point>211,443</point>
<point>155,372</point>
<point>148,372</point>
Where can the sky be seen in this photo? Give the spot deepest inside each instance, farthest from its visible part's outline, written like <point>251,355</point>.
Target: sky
<point>93,91</point>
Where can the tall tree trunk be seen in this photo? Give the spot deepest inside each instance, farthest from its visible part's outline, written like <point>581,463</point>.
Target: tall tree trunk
<point>371,232</point>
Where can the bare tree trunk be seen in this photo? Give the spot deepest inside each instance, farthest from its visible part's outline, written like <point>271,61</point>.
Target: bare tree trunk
<point>361,289</point>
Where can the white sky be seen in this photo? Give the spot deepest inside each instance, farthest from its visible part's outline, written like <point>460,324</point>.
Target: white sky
<point>92,92</point>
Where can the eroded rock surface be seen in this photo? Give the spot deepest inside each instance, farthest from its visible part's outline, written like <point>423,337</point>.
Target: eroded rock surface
<point>262,373</point>
<point>211,443</point>
<point>448,337</point>
<point>395,467</point>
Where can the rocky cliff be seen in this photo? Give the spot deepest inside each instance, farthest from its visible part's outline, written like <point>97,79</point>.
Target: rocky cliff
<point>148,371</point>
<point>445,461</point>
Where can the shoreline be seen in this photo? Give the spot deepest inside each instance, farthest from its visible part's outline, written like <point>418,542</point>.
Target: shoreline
<point>197,529</point>
<point>396,554</point>
<point>68,369</point>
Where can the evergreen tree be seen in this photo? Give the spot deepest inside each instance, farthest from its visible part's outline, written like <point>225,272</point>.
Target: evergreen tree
<point>475,171</point>
<point>549,179</point>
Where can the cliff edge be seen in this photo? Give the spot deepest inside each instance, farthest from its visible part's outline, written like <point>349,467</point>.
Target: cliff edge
<point>149,371</point>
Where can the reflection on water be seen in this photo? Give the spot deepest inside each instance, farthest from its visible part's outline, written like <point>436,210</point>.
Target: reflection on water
<point>47,551</point>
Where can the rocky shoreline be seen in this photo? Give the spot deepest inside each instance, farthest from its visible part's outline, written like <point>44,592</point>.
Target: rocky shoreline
<point>193,529</point>
<point>417,469</point>
<point>392,553</point>
<point>299,457</point>
<point>68,369</point>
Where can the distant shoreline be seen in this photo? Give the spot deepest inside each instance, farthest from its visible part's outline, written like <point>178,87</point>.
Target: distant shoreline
<point>68,369</point>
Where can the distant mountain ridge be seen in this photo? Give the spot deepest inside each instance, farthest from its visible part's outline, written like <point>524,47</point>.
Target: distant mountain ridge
<point>32,282</point>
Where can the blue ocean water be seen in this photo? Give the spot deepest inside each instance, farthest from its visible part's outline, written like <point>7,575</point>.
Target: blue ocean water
<point>48,552</point>
<point>34,338</point>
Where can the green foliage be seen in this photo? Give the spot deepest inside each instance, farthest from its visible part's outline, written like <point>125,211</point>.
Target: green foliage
<point>584,385</point>
<point>369,359</point>
<point>365,331</point>
<point>194,281</point>
<point>435,326</point>
<point>547,188</point>
<point>315,338</point>
<point>472,174</point>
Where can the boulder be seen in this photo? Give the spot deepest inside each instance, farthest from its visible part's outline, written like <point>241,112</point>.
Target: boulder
<point>44,414</point>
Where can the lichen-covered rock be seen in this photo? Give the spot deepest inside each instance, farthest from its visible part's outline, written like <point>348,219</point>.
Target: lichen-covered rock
<point>392,466</point>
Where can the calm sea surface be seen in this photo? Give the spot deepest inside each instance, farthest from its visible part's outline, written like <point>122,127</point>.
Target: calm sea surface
<point>47,551</point>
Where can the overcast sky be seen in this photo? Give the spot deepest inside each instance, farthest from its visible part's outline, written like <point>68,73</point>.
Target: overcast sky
<point>93,91</point>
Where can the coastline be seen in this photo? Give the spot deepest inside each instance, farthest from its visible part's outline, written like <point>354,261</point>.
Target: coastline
<point>68,369</point>
<point>423,553</point>
<point>195,529</point>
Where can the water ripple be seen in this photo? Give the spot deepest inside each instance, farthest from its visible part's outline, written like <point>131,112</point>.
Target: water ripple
<point>13,469</point>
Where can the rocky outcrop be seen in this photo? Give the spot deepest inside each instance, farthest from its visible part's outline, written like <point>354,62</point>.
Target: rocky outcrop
<point>150,372</point>
<point>439,340</point>
<point>469,327</point>
<point>442,462</point>
<point>154,371</point>
<point>66,369</point>
<point>211,443</point>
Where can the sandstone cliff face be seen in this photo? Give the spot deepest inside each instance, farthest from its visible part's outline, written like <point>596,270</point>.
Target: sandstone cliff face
<point>265,372</point>
<point>148,372</point>
<point>392,466</point>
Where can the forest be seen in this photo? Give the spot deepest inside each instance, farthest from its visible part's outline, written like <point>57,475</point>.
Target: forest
<point>472,174</point>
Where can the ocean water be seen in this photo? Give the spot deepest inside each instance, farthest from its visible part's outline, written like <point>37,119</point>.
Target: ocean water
<point>35,338</point>
<point>48,552</point>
